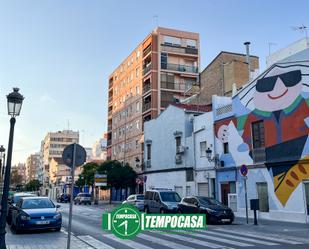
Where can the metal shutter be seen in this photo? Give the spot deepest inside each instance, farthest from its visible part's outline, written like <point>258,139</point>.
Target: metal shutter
<point>202,189</point>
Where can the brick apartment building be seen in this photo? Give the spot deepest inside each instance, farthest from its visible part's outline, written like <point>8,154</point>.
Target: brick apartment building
<point>162,69</point>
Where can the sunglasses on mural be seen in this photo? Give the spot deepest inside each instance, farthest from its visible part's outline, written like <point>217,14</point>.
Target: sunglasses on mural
<point>289,79</point>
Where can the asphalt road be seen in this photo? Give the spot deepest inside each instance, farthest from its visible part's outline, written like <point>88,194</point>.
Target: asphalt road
<point>86,226</point>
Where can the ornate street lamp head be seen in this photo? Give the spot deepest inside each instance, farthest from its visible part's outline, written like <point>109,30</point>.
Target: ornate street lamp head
<point>2,150</point>
<point>15,101</point>
<point>208,153</point>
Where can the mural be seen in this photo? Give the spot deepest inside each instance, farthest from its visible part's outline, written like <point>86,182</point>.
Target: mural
<point>280,98</point>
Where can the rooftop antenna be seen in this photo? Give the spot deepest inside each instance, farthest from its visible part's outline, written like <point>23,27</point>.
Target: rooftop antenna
<point>68,124</point>
<point>156,20</point>
<point>301,29</point>
<point>269,46</point>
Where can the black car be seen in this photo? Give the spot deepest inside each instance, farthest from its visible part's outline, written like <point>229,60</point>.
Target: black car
<point>63,198</point>
<point>215,211</point>
<point>12,204</point>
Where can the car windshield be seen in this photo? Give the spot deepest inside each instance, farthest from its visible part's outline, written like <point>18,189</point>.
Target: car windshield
<point>170,197</point>
<point>209,201</point>
<point>140,197</point>
<point>16,198</point>
<point>37,203</point>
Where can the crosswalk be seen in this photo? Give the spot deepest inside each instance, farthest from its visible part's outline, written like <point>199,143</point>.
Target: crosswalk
<point>218,238</point>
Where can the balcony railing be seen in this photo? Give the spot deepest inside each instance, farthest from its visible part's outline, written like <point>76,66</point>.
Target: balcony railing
<point>147,68</point>
<point>259,155</point>
<point>173,85</point>
<point>146,106</point>
<point>180,50</point>
<point>180,68</point>
<point>146,88</point>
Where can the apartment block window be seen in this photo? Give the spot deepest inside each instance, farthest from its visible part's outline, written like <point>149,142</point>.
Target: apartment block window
<point>137,124</point>
<point>148,151</point>
<point>137,72</point>
<point>138,54</point>
<point>164,60</point>
<point>203,147</point>
<point>189,175</point>
<point>137,90</point>
<point>258,135</point>
<point>173,41</point>
<point>191,43</point>
<point>137,106</point>
<point>226,148</point>
<point>178,142</point>
<point>262,192</point>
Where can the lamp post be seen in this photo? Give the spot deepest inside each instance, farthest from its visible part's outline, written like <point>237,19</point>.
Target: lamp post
<point>215,159</point>
<point>14,101</point>
<point>2,158</point>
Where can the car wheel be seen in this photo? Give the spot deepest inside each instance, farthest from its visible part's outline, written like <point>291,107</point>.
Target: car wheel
<point>58,229</point>
<point>146,210</point>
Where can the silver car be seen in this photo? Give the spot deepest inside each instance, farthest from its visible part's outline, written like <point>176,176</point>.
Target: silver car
<point>83,198</point>
<point>135,200</point>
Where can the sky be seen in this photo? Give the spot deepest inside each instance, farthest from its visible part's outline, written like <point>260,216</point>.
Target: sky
<point>60,52</point>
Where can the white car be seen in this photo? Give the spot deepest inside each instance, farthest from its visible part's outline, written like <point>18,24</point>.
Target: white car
<point>135,200</point>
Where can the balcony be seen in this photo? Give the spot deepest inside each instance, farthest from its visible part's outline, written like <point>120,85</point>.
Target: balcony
<point>147,51</point>
<point>147,68</point>
<point>179,50</point>
<point>173,85</point>
<point>146,106</point>
<point>178,67</point>
<point>259,155</point>
<point>146,88</point>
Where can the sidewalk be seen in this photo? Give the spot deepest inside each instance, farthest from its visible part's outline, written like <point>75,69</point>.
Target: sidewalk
<point>42,240</point>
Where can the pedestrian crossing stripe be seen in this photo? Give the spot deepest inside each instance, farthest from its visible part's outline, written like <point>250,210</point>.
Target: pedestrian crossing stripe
<point>94,242</point>
<point>129,243</point>
<point>163,242</point>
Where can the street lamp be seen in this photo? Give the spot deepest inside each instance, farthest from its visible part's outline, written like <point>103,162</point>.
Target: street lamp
<point>14,101</point>
<point>215,159</point>
<point>2,158</point>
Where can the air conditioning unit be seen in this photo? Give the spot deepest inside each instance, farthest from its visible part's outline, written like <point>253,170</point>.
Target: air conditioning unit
<point>178,159</point>
<point>180,149</point>
<point>148,164</point>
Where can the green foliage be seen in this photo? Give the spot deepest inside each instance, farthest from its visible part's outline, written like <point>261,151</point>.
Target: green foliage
<point>33,185</point>
<point>87,175</point>
<point>16,179</point>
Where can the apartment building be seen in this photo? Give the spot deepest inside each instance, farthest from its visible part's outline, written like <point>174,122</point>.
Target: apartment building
<point>162,69</point>
<point>32,164</point>
<point>21,170</point>
<point>52,147</point>
<point>224,71</point>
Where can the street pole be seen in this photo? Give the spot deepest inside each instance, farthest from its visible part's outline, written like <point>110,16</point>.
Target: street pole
<point>246,198</point>
<point>71,198</point>
<point>3,166</point>
<point>6,186</point>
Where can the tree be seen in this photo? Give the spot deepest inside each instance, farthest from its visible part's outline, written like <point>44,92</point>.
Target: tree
<point>16,179</point>
<point>87,175</point>
<point>33,185</point>
<point>118,175</point>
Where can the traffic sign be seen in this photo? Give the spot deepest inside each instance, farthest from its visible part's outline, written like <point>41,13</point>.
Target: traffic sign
<point>80,155</point>
<point>244,170</point>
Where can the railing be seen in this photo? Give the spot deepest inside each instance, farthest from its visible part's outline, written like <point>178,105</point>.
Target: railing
<point>180,50</point>
<point>173,85</point>
<point>146,88</point>
<point>147,51</point>
<point>178,67</point>
<point>259,155</point>
<point>147,69</point>
<point>146,106</point>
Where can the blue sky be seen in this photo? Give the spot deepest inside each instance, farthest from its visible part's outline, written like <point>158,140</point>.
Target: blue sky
<point>60,53</point>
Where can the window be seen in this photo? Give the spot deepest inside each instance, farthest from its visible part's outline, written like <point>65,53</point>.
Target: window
<point>203,147</point>
<point>137,124</point>
<point>226,148</point>
<point>188,190</point>
<point>137,106</point>
<point>178,142</point>
<point>191,43</point>
<point>137,72</point>
<point>170,40</point>
<point>262,192</point>
<point>137,90</point>
<point>138,53</point>
<point>164,60</point>
<point>258,138</point>
<point>148,151</point>
<point>189,175</point>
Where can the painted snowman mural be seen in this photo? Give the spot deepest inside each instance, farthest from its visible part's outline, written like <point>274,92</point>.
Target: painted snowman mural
<point>279,98</point>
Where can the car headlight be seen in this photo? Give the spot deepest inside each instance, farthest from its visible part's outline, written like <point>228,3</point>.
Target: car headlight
<point>57,216</point>
<point>25,217</point>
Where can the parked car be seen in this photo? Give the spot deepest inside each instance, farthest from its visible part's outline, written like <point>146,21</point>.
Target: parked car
<point>36,213</point>
<point>161,201</point>
<point>63,198</point>
<point>215,211</point>
<point>135,200</point>
<point>83,198</point>
<point>12,201</point>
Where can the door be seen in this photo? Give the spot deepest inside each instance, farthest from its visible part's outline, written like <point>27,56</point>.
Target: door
<point>307,199</point>
<point>202,189</point>
<point>262,192</point>
<point>225,189</point>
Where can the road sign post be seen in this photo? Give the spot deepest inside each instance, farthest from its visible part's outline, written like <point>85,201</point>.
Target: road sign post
<point>73,155</point>
<point>244,172</point>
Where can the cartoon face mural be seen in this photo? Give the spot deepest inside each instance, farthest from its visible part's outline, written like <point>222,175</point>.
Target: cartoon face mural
<point>276,106</point>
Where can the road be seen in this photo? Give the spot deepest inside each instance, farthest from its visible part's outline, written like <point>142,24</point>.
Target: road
<point>87,227</point>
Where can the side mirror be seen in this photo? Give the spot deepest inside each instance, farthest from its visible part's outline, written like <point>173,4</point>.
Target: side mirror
<point>58,206</point>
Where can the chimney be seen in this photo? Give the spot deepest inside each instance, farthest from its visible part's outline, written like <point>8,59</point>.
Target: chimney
<point>248,58</point>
